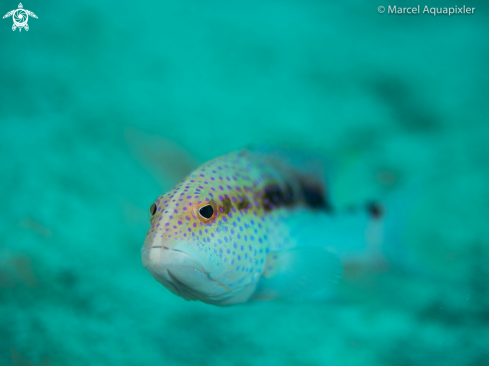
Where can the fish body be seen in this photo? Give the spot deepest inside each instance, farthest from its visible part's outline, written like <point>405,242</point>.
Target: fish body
<point>251,224</point>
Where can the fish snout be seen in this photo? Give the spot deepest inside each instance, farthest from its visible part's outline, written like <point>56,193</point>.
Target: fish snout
<point>181,273</point>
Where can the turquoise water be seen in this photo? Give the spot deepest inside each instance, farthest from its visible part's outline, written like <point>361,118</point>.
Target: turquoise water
<point>104,106</point>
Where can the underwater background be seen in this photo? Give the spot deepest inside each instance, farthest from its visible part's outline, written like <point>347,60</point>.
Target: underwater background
<point>105,105</point>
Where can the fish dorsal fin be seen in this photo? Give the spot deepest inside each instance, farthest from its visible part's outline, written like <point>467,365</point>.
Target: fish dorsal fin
<point>299,273</point>
<point>298,164</point>
<point>301,175</point>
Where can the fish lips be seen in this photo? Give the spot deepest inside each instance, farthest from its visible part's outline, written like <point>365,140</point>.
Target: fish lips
<point>182,274</point>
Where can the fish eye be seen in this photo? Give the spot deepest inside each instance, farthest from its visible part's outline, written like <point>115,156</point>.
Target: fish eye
<point>152,209</point>
<point>206,211</point>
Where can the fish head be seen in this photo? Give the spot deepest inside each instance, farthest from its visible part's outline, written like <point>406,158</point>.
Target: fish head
<point>195,245</point>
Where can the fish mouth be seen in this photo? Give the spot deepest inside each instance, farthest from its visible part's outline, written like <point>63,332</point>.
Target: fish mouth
<point>182,274</point>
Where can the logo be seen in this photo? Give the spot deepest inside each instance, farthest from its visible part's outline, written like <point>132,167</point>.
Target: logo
<point>20,17</point>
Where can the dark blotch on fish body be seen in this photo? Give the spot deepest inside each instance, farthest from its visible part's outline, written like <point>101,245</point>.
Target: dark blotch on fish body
<point>226,205</point>
<point>375,210</point>
<point>243,203</point>
<point>315,196</point>
<point>275,196</point>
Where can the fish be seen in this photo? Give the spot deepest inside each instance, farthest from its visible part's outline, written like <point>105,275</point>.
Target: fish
<point>255,224</point>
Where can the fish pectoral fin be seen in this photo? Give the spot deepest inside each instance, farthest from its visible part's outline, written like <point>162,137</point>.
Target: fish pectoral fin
<point>299,273</point>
